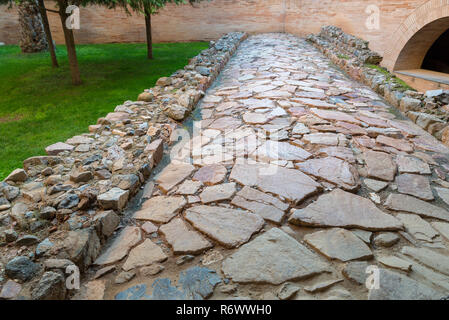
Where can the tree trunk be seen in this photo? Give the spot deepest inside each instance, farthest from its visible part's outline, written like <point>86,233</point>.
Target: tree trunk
<point>70,43</point>
<point>32,35</point>
<point>148,31</point>
<point>51,46</point>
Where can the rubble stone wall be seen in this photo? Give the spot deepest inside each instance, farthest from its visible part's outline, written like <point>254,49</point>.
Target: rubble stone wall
<point>429,110</point>
<point>60,208</point>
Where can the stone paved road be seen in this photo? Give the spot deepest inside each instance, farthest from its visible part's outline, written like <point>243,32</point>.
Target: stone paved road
<point>301,179</point>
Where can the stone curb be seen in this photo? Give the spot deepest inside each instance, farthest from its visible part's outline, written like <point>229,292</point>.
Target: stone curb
<point>352,54</point>
<point>71,199</point>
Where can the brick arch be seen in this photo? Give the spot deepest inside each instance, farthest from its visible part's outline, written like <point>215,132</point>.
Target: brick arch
<point>414,37</point>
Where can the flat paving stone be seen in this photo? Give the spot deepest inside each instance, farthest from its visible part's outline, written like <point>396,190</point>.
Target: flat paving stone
<point>189,187</point>
<point>395,263</point>
<point>268,207</point>
<point>443,193</point>
<point>273,257</point>
<point>274,150</point>
<point>334,115</point>
<point>408,164</point>
<point>414,185</point>
<point>160,209</point>
<point>340,244</point>
<point>419,228</point>
<point>229,227</point>
<point>395,143</point>
<point>332,170</point>
<point>402,202</point>
<point>219,192</point>
<point>442,228</point>
<point>343,209</point>
<point>128,238</point>
<point>210,175</point>
<point>327,139</point>
<point>375,185</point>
<point>173,174</point>
<point>143,255</point>
<point>290,184</point>
<point>182,240</point>
<point>380,165</point>
<point>396,286</point>
<point>339,152</point>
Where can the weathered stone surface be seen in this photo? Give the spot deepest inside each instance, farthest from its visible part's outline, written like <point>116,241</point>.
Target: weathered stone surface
<point>322,286</point>
<point>57,148</point>
<point>94,290</point>
<point>401,202</point>
<point>27,240</point>
<point>338,244</point>
<point>274,257</point>
<point>144,254</point>
<point>255,118</point>
<point>149,228</point>
<point>443,193</point>
<point>219,192</point>
<point>316,103</point>
<point>18,175</point>
<point>21,268</point>
<point>210,175</point>
<point>327,139</point>
<point>408,164</point>
<point>106,222</point>
<point>229,227</point>
<point>356,271</point>
<point>268,207</point>
<point>274,150</point>
<point>189,187</point>
<point>334,115</point>
<point>342,209</point>
<point>183,240</point>
<point>418,227</point>
<point>386,239</point>
<point>51,287</point>
<point>375,185</point>
<point>198,283</point>
<point>300,128</point>
<point>115,199</point>
<point>173,174</point>
<point>160,209</point>
<point>287,291</point>
<point>442,228</point>
<point>82,247</point>
<point>339,152</point>
<point>399,144</point>
<point>395,263</point>
<point>414,185</point>
<point>120,247</point>
<point>152,270</point>
<point>292,185</point>
<point>380,165</point>
<point>10,290</point>
<point>124,277</point>
<point>61,264</point>
<point>333,170</point>
<point>428,257</point>
<point>395,286</point>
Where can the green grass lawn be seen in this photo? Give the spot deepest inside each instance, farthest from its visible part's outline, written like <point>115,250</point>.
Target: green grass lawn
<point>39,106</point>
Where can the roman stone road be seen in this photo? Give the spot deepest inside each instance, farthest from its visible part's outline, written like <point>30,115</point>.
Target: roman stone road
<point>301,184</point>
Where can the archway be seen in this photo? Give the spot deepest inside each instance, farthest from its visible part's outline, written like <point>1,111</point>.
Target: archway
<point>416,45</point>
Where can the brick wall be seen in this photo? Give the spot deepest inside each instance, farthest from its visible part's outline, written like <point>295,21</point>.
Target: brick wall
<point>210,19</point>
